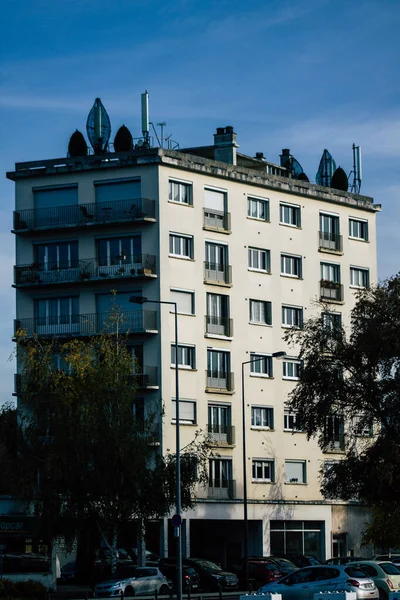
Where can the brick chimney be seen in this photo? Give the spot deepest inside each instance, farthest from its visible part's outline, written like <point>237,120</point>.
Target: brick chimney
<point>225,145</point>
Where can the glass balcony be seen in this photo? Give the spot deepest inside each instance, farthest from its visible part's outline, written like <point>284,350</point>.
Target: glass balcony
<point>78,215</point>
<point>219,326</point>
<point>216,219</point>
<point>138,321</point>
<point>222,489</point>
<point>330,290</point>
<point>135,266</point>
<point>222,434</point>
<point>219,380</point>
<point>330,241</point>
<point>217,273</point>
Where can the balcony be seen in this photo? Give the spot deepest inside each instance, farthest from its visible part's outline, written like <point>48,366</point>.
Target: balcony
<point>219,326</point>
<point>82,215</point>
<point>136,266</point>
<point>217,273</point>
<point>146,377</point>
<point>224,489</point>
<point>337,445</point>
<point>331,291</point>
<point>219,381</point>
<point>216,220</point>
<point>222,434</point>
<point>331,242</point>
<point>138,321</point>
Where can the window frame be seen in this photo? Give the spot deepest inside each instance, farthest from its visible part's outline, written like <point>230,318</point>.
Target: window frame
<point>188,292</point>
<point>182,184</point>
<point>364,272</point>
<point>295,211</point>
<point>287,417</point>
<point>268,362</point>
<point>297,263</point>
<point>181,237</point>
<point>267,311</point>
<point>298,311</point>
<point>263,463</point>
<point>292,361</point>
<point>184,421</point>
<point>251,252</point>
<point>269,417</point>
<point>362,223</point>
<point>190,349</point>
<point>303,464</point>
<point>258,202</point>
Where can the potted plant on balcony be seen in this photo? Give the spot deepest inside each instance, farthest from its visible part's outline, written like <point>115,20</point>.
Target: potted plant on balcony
<point>327,283</point>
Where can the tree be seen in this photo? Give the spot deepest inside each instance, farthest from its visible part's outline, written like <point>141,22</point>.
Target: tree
<point>81,447</point>
<point>351,376</point>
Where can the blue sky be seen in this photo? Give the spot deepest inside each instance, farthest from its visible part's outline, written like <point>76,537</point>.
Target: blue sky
<point>298,74</point>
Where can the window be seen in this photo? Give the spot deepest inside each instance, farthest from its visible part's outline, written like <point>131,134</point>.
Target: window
<point>359,277</point>
<point>295,471</point>
<point>290,421</point>
<point>124,189</point>
<point>292,316</point>
<point>216,263</point>
<point>332,327</point>
<point>262,364</point>
<point>263,470</point>
<point>291,368</point>
<point>289,215</point>
<point>62,255</point>
<point>215,209</point>
<point>219,423</point>
<point>258,209</point>
<point>329,232</point>
<point>187,411</point>
<point>180,192</point>
<point>181,245</point>
<point>260,312</point>
<point>358,229</point>
<point>217,317</point>
<point>220,472</point>
<point>363,426</point>
<point>184,300</point>
<point>119,251</point>
<point>291,265</point>
<point>262,417</point>
<point>259,260</point>
<point>57,314</point>
<point>186,356</point>
<point>330,272</point>
<point>334,432</point>
<point>218,369</point>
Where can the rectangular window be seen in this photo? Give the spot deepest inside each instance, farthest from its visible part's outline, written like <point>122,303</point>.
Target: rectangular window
<point>219,423</point>
<point>263,470</point>
<point>217,317</point>
<point>186,356</point>
<point>53,257</point>
<point>180,192</point>
<point>292,316</point>
<point>359,277</point>
<point>290,421</point>
<point>334,432</point>
<point>291,265</point>
<point>330,272</point>
<point>215,209</point>
<point>124,189</point>
<point>120,255</point>
<point>181,245</point>
<point>262,364</point>
<point>290,215</point>
<point>262,417</point>
<point>187,411</point>
<point>259,260</point>
<point>358,229</point>
<point>258,209</point>
<point>58,315</point>
<point>260,312</point>
<point>218,370</point>
<point>291,368</point>
<point>57,196</point>
<point>332,326</point>
<point>220,473</point>
<point>329,232</point>
<point>295,471</point>
<point>363,427</point>
<point>184,300</point>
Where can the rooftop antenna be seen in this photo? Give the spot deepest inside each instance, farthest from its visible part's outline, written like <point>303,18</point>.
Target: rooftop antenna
<point>357,170</point>
<point>145,116</point>
<point>162,125</point>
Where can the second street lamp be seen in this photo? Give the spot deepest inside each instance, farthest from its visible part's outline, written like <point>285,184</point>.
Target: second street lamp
<point>177,516</point>
<point>245,507</point>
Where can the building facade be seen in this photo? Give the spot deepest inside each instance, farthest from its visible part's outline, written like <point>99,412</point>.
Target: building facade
<point>246,251</point>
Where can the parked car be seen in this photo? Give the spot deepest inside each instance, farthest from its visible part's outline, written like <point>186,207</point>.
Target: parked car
<point>304,583</point>
<point>152,559</point>
<point>260,572</point>
<point>68,572</point>
<point>385,575</point>
<point>394,558</point>
<point>146,581</point>
<point>212,576</point>
<point>342,560</point>
<point>284,565</point>
<point>190,577</point>
<point>302,560</point>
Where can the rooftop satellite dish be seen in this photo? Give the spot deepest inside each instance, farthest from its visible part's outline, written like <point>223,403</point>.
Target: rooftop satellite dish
<point>77,144</point>
<point>327,167</point>
<point>123,140</point>
<point>340,180</point>
<point>98,127</point>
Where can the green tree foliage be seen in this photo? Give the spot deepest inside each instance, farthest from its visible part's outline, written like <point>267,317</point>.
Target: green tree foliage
<point>354,374</point>
<point>79,448</point>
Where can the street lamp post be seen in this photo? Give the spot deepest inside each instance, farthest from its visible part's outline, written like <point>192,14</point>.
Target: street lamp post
<point>245,512</point>
<point>177,524</point>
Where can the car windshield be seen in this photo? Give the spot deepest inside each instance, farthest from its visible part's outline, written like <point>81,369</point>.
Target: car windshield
<point>313,560</point>
<point>208,565</point>
<point>355,572</point>
<point>284,562</point>
<point>390,568</point>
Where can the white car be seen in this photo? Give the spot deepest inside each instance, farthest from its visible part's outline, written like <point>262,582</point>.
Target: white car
<point>145,582</point>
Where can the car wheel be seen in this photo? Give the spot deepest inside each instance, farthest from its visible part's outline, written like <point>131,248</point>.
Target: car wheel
<point>383,595</point>
<point>129,591</point>
<point>164,590</point>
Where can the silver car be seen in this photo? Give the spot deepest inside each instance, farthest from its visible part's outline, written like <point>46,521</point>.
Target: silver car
<point>304,583</point>
<point>145,582</point>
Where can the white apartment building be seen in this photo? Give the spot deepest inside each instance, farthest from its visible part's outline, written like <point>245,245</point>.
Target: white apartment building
<point>246,251</point>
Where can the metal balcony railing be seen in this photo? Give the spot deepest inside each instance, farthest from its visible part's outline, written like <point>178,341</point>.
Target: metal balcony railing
<point>330,290</point>
<point>219,380</point>
<point>222,434</point>
<point>138,321</point>
<point>217,273</point>
<point>137,266</point>
<point>140,209</point>
<point>216,219</point>
<point>146,376</point>
<point>219,325</point>
<point>222,488</point>
<point>330,241</point>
